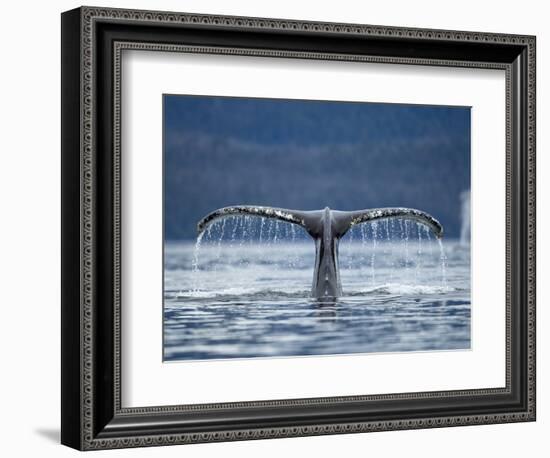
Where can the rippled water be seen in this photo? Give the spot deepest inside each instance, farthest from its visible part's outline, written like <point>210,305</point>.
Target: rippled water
<point>238,298</point>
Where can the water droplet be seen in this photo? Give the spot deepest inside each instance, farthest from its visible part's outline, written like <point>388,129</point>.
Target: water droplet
<point>195,263</point>
<point>443,259</point>
<point>374,228</point>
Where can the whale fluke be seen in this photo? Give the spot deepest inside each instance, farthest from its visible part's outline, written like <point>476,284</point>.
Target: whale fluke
<point>362,216</point>
<point>289,216</point>
<point>326,227</point>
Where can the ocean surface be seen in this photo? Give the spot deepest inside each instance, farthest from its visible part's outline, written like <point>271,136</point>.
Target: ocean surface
<point>236,294</point>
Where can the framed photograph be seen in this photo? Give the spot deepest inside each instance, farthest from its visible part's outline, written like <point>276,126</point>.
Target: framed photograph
<point>276,228</point>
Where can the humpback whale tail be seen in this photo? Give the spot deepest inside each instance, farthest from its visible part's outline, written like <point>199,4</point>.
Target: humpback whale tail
<point>326,227</point>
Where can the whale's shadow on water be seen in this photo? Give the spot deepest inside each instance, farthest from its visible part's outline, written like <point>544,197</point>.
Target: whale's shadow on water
<point>325,307</point>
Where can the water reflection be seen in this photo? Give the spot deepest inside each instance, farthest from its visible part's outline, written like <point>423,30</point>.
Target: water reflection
<point>249,300</point>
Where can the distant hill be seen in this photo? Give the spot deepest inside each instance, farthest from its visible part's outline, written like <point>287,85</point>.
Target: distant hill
<point>308,155</point>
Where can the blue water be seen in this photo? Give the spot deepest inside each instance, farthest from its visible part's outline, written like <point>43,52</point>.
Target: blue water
<point>234,297</point>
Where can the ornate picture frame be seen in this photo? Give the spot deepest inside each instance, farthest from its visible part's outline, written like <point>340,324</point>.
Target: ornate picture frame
<point>93,416</point>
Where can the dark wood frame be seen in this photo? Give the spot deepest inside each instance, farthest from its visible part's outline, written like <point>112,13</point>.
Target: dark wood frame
<point>92,42</point>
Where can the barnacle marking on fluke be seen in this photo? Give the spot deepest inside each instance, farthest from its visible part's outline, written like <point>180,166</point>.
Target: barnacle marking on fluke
<point>362,216</point>
<point>267,212</point>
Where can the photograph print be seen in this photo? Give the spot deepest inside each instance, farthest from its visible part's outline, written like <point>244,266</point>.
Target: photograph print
<point>296,228</point>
